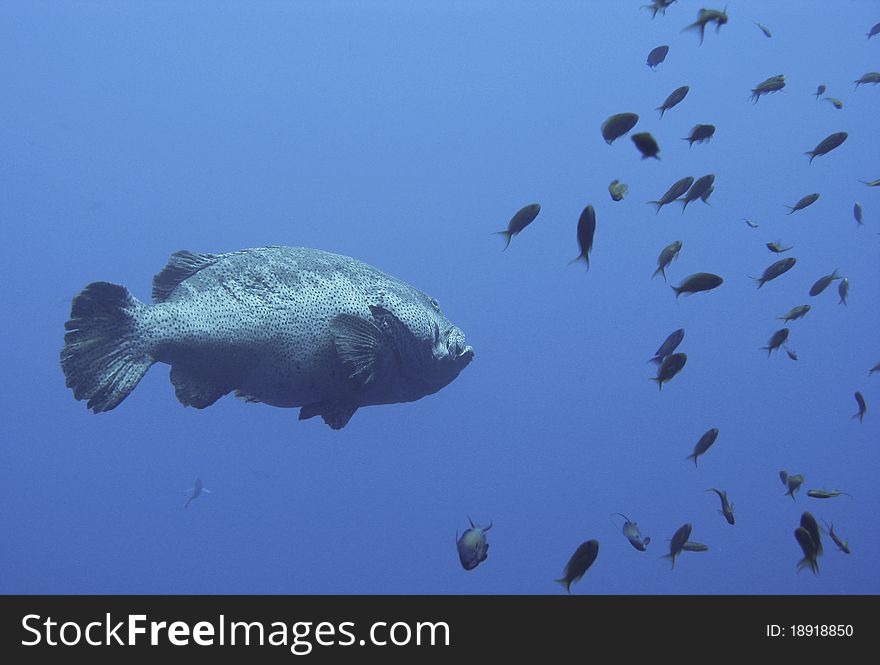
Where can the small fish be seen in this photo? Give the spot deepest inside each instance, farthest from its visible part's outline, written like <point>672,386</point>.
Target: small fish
<point>701,281</point>
<point>807,200</point>
<point>658,6</point>
<point>826,494</point>
<point>657,56</point>
<point>705,17</point>
<point>793,483</point>
<point>195,492</point>
<point>871,183</point>
<point>675,97</point>
<point>703,444</point>
<point>842,545</point>
<point>857,213</point>
<point>772,84</point>
<point>671,365</point>
<point>580,561</point>
<point>827,144</point>
<point>669,345</point>
<point>777,248</point>
<point>618,125</point>
<point>791,353</point>
<point>823,283</point>
<point>519,221</point>
<point>871,77</point>
<point>585,230</point>
<point>700,134</point>
<point>875,29</point>
<point>820,91</point>
<point>777,340</point>
<point>809,523</point>
<point>875,368</point>
<point>774,270</point>
<point>795,313</point>
<point>617,190</point>
<point>691,546</point>
<point>679,188</point>
<point>750,223</point>
<point>863,408</point>
<point>633,534</point>
<point>666,257</point>
<point>805,540</point>
<point>697,190</point>
<point>472,546</point>
<point>726,506</point>
<point>843,291</point>
<point>835,102</point>
<point>676,545</point>
<point>763,29</point>
<point>646,145</point>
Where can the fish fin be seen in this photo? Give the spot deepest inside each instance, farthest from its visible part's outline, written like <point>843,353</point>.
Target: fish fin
<point>811,155</point>
<point>693,456</point>
<point>180,266</point>
<point>677,291</point>
<point>662,271</point>
<point>646,541</point>
<point>662,111</point>
<point>250,399</point>
<point>507,234</point>
<point>194,390</point>
<point>335,414</point>
<point>564,582</point>
<point>104,355</point>
<point>358,343</point>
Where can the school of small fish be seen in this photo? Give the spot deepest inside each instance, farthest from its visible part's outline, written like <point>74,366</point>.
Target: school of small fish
<point>669,362</point>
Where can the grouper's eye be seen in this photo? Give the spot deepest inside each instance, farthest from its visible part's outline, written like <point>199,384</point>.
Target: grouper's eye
<point>435,304</point>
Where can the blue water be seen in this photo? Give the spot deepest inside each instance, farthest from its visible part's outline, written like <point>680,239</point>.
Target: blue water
<point>404,134</point>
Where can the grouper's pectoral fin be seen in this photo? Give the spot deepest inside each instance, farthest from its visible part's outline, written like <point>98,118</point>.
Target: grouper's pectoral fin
<point>335,414</point>
<point>194,390</point>
<point>359,344</point>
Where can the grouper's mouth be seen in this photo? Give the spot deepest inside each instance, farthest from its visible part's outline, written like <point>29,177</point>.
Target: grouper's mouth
<point>456,347</point>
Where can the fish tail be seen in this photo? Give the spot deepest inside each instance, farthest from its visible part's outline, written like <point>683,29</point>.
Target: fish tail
<point>860,415</point>
<point>677,291</point>
<point>662,271</point>
<point>656,203</point>
<point>564,582</point>
<point>104,355</point>
<point>507,234</point>
<point>662,111</point>
<point>760,284</point>
<point>693,456</point>
<point>811,154</point>
<point>768,349</point>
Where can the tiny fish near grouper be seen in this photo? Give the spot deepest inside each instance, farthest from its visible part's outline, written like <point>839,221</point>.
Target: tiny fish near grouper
<point>472,546</point>
<point>288,326</point>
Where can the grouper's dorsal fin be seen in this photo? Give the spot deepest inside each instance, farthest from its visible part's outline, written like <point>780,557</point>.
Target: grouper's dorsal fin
<point>181,265</point>
<point>359,343</point>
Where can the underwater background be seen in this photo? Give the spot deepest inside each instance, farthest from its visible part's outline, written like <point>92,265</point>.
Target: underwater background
<point>404,134</point>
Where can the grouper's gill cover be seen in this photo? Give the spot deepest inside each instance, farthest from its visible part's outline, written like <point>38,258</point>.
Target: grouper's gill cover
<point>291,327</point>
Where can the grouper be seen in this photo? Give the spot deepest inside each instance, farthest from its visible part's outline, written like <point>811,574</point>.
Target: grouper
<point>288,326</point>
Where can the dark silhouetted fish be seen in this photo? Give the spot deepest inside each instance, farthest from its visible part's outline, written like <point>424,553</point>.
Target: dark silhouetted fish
<point>826,494</point>
<point>697,190</point>
<point>843,291</point>
<point>675,97</point>
<point>863,407</point>
<point>776,340</point>
<point>823,283</point>
<point>658,6</point>
<point>617,190</point>
<point>691,546</point>
<point>669,253</point>
<point>772,84</point>
<point>808,547</point>
<point>579,563</point>
<point>790,353</point>
<point>700,133</point>
<point>819,91</point>
<point>618,125</point>
<point>871,183</point>
<point>701,281</point>
<point>774,270</point>
<point>671,365</point>
<point>634,535</point>
<point>875,368</point>
<point>857,213</point>
<point>827,144</point>
<point>679,188</point>
<point>670,344</point>
<point>523,217</point>
<point>726,506</point>
<point>871,77</point>
<point>777,248</point>
<point>750,223</point>
<point>472,546</point>
<point>804,202</point>
<point>705,17</point>
<point>809,523</point>
<point>795,313</point>
<point>657,56</point>
<point>585,230</point>
<point>835,102</point>
<point>703,444</point>
<point>676,544</point>
<point>197,491</point>
<point>875,29</point>
<point>763,29</point>
<point>646,145</point>
<point>792,483</point>
<point>842,545</point>
<point>288,326</point>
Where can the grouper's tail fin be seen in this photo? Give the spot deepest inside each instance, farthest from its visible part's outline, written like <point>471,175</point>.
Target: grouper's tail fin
<point>103,357</point>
